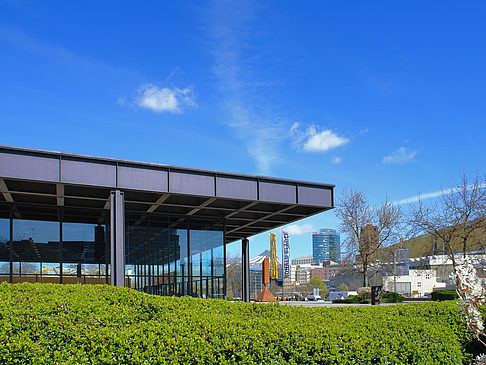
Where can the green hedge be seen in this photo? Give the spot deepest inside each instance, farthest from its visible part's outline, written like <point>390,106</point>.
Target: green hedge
<point>84,324</point>
<point>441,295</point>
<point>351,299</point>
<point>391,297</point>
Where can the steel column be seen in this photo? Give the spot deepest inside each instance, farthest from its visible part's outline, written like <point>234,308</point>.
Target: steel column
<point>10,249</point>
<point>245,269</point>
<point>117,232</point>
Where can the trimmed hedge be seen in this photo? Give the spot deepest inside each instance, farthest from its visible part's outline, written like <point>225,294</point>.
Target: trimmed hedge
<point>99,324</point>
<point>442,295</point>
<point>391,297</point>
<point>351,299</point>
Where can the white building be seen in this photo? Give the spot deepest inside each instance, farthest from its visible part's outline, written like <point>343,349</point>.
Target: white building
<point>417,283</point>
<point>301,274</point>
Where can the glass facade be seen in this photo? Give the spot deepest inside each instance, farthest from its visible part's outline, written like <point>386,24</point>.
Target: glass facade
<point>85,253</point>
<point>164,255</point>
<point>53,251</point>
<point>167,256</point>
<point>4,249</point>
<point>35,250</point>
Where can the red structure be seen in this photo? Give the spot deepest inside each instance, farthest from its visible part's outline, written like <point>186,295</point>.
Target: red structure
<point>265,295</point>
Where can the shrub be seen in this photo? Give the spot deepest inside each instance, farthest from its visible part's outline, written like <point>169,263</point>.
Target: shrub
<point>228,298</point>
<point>442,295</point>
<point>100,324</point>
<point>351,299</point>
<point>391,297</point>
<point>365,292</point>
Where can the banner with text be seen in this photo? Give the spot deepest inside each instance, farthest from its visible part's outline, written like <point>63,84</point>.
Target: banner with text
<point>286,255</point>
<point>273,256</point>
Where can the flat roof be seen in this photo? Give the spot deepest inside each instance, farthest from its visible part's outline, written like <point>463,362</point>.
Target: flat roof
<point>248,204</point>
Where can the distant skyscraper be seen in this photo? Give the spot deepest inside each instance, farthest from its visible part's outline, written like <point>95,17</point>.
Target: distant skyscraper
<point>326,246</point>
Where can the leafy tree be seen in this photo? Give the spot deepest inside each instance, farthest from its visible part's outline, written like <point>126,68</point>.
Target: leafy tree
<point>343,287</point>
<point>317,283</point>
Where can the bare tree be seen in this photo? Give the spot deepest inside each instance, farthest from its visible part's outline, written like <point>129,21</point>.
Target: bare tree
<point>233,276</point>
<point>454,217</point>
<point>366,228</point>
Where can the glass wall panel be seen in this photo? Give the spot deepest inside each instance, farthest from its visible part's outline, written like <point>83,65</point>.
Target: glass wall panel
<point>207,257</point>
<point>165,257</point>
<point>35,250</point>
<point>84,253</point>
<point>137,259</point>
<point>168,252</point>
<point>161,251</point>
<point>233,270</point>
<point>4,250</point>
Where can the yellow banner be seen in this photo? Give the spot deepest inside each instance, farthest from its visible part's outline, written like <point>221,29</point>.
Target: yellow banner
<point>273,256</point>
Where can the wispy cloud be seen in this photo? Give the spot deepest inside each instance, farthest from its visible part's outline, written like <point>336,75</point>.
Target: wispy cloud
<point>416,198</point>
<point>337,160</point>
<point>165,99</point>
<point>401,155</point>
<point>299,229</point>
<point>312,139</point>
<point>63,59</point>
<point>433,195</point>
<point>246,95</point>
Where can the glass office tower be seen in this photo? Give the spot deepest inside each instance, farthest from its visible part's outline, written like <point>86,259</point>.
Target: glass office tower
<point>326,246</point>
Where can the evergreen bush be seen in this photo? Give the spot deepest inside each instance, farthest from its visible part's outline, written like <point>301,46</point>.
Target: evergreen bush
<point>391,297</point>
<point>442,295</point>
<point>351,299</point>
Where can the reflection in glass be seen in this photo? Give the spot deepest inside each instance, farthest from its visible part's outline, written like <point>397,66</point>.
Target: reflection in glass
<point>233,270</point>
<point>84,253</point>
<point>35,243</point>
<point>136,253</point>
<point>158,260</point>
<point>207,255</point>
<point>4,251</point>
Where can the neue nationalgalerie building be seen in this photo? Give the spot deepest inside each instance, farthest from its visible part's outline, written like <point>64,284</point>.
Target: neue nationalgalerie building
<point>161,229</point>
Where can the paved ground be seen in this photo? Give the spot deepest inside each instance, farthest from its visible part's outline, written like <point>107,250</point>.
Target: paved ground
<point>329,304</point>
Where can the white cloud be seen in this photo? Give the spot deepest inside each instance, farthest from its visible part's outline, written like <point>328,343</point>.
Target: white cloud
<point>165,99</point>
<point>323,141</point>
<point>298,229</point>
<point>313,140</point>
<point>337,160</point>
<point>401,155</point>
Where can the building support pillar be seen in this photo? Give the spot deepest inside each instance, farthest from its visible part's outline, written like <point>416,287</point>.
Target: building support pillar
<point>245,269</point>
<point>117,237</point>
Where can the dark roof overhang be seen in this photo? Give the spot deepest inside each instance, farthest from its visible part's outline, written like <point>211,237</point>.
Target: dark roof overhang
<point>248,204</point>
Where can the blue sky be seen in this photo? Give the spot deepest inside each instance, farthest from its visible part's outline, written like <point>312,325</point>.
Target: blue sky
<point>385,97</point>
